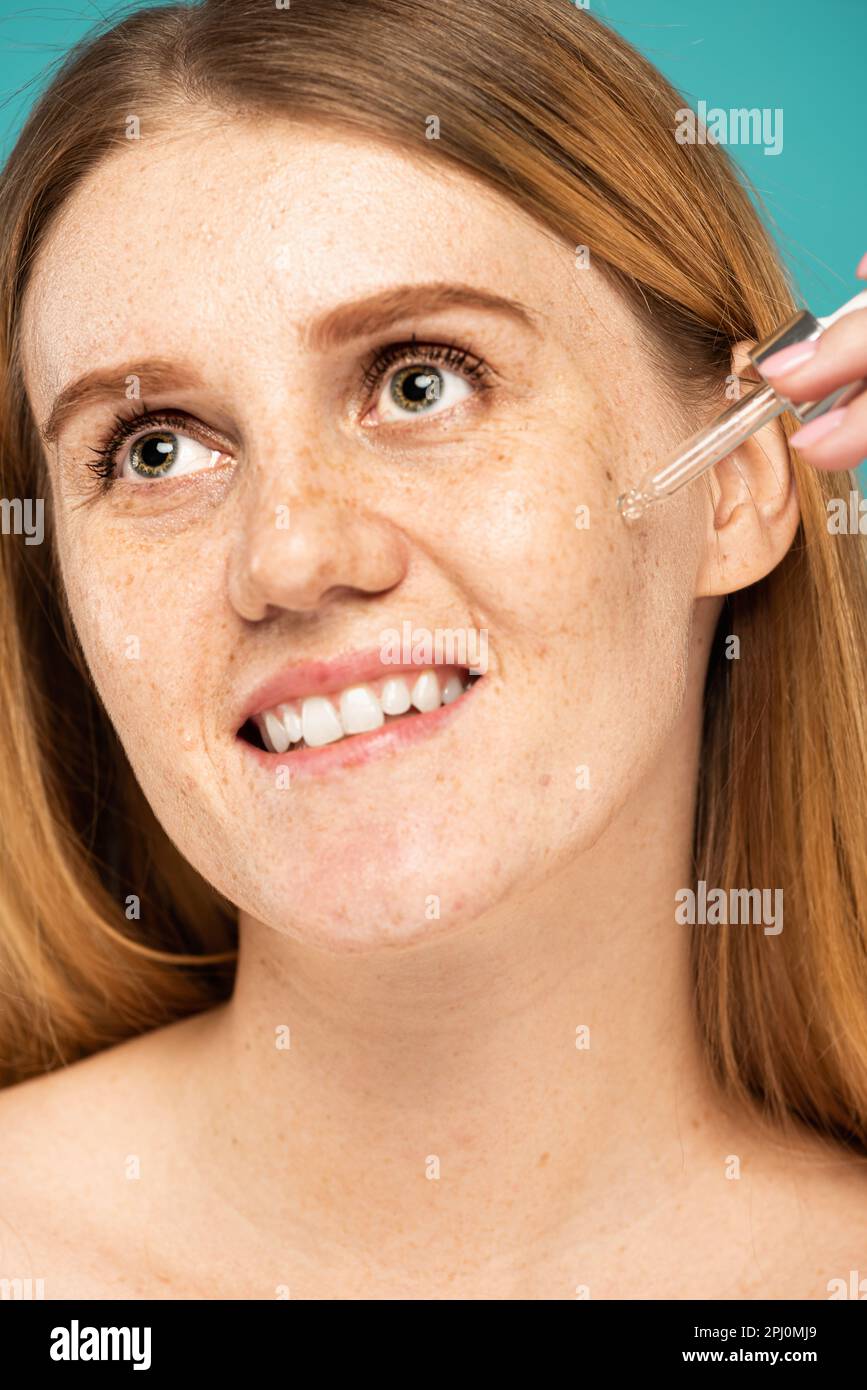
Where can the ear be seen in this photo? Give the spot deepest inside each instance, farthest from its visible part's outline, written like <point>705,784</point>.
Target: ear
<point>752,507</point>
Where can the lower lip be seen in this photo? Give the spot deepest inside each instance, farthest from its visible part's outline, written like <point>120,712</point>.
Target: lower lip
<point>362,748</point>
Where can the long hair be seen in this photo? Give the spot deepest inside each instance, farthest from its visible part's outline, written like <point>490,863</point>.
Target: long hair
<point>547,106</point>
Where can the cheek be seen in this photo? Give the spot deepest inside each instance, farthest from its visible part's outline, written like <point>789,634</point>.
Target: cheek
<point>140,614</point>
<point>589,625</point>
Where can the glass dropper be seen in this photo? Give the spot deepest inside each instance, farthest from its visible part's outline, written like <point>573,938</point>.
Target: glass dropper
<point>755,409</point>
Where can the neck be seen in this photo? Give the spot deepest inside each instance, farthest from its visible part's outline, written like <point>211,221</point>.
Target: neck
<point>521,1055</point>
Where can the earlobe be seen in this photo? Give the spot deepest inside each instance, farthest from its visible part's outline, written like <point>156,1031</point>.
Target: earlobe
<point>751,509</point>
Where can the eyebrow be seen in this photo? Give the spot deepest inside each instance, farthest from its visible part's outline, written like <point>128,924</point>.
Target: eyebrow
<point>112,383</point>
<point>332,329</point>
<point>370,315</point>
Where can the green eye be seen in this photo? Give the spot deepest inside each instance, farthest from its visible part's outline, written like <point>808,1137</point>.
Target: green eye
<point>414,388</point>
<point>422,389</point>
<point>139,454</point>
<point>154,455</point>
<point>162,453</point>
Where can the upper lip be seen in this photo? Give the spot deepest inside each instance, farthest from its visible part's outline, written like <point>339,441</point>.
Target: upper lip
<point>323,678</point>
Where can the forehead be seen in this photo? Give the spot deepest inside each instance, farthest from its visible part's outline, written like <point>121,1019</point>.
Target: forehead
<point>232,235</point>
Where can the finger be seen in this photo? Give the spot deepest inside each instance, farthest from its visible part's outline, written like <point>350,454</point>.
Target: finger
<point>810,371</point>
<point>837,439</point>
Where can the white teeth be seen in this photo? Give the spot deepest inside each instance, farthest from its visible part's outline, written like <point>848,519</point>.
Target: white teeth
<point>319,722</point>
<point>426,693</point>
<point>292,720</point>
<point>277,733</point>
<point>360,711</point>
<point>357,710</point>
<point>395,697</point>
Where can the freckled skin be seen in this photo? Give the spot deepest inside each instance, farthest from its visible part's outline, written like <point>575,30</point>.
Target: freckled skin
<point>476,529</point>
<point>413,1035</point>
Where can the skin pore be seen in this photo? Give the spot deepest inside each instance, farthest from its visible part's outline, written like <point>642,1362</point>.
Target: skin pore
<point>231,252</point>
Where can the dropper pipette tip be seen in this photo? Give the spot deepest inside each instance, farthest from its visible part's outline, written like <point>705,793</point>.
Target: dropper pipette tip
<point>631,504</point>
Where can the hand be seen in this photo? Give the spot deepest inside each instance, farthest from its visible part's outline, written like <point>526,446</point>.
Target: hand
<point>809,371</point>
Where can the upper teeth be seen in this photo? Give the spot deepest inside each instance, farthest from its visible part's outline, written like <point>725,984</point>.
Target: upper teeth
<point>322,719</point>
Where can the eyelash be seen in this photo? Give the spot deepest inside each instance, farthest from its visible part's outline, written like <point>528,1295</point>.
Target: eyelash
<point>459,359</point>
<point>125,426</point>
<point>402,354</point>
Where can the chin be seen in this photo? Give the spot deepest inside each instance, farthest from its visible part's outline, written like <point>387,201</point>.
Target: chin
<point>375,893</point>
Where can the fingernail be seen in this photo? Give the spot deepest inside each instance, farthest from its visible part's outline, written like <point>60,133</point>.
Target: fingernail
<point>861,272</point>
<point>817,429</point>
<point>788,358</point>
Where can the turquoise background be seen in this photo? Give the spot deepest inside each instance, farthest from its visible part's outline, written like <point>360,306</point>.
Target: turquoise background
<point>808,59</point>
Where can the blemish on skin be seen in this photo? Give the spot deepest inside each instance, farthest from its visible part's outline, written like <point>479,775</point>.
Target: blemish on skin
<point>545,779</point>
<point>543,1160</point>
<point>188,739</point>
<point>609,475</point>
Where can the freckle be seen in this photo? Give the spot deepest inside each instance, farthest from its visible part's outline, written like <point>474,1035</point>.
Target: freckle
<point>543,1160</point>
<point>609,475</point>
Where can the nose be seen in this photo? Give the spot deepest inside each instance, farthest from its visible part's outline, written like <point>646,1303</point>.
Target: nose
<point>300,556</point>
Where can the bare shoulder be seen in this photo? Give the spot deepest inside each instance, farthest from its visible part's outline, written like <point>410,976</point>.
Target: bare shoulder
<point>72,1143</point>
<point>806,1199</point>
<point>78,1107</point>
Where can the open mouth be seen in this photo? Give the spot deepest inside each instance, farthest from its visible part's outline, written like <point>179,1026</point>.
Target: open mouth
<point>343,715</point>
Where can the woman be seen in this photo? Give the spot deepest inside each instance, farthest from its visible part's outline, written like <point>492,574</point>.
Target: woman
<point>326,326</point>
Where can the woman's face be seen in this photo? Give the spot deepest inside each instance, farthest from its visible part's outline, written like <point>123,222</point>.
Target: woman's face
<point>309,496</point>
